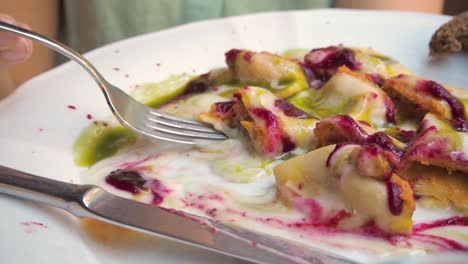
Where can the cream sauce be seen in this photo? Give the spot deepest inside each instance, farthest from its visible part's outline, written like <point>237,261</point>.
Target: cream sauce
<point>226,182</point>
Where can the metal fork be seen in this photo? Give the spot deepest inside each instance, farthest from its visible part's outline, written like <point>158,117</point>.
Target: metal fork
<point>127,110</point>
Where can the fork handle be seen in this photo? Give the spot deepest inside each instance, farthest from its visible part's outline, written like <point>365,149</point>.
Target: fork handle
<point>58,47</point>
<point>59,194</point>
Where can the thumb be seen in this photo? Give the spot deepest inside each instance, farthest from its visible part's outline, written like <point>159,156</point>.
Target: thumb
<point>13,49</point>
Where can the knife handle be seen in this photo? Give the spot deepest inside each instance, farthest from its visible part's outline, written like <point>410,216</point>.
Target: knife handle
<point>59,194</point>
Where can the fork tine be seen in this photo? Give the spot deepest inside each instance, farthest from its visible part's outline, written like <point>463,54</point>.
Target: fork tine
<point>166,137</point>
<point>178,125</point>
<point>175,118</point>
<point>186,133</point>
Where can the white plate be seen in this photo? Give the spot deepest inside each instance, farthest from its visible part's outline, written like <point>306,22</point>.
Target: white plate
<point>37,129</point>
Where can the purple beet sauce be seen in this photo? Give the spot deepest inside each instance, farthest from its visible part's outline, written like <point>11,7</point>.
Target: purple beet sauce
<point>371,228</point>
<point>390,110</point>
<point>348,58</point>
<point>373,152</point>
<point>248,56</point>
<point>395,204</point>
<point>376,78</point>
<point>316,220</point>
<point>159,191</point>
<point>349,126</point>
<point>456,107</point>
<point>267,116</point>
<point>126,180</point>
<point>452,221</point>
<point>223,107</point>
<point>290,110</point>
<point>309,206</point>
<point>288,144</point>
<point>316,217</point>
<point>405,135</point>
<point>339,129</point>
<point>442,242</point>
<point>384,141</point>
<point>325,61</point>
<point>335,220</point>
<point>332,154</point>
<point>237,97</point>
<point>231,56</point>
<point>199,85</point>
<point>312,80</point>
<point>346,129</point>
<point>273,130</point>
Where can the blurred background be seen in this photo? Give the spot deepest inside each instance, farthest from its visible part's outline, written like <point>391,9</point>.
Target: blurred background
<point>87,24</point>
<point>453,7</point>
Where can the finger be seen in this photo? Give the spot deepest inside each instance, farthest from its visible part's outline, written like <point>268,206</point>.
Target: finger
<point>7,40</point>
<point>28,42</point>
<point>20,50</point>
<point>19,53</point>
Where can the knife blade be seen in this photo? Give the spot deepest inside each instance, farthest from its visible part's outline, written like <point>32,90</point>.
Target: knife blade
<point>89,201</point>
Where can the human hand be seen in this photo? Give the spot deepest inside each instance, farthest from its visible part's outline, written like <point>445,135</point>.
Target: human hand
<point>13,49</point>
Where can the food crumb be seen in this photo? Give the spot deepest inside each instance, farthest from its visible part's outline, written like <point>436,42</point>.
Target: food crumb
<point>32,226</point>
<point>100,123</point>
<point>72,107</point>
<point>211,212</point>
<point>127,75</point>
<point>116,69</point>
<point>89,116</point>
<point>33,223</point>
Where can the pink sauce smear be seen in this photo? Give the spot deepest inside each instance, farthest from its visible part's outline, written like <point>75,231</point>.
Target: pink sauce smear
<point>316,223</point>
<point>159,191</point>
<point>327,225</point>
<point>32,226</point>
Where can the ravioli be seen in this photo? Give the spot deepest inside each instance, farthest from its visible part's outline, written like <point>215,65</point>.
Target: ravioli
<point>348,92</point>
<point>344,129</point>
<point>324,63</point>
<point>274,126</point>
<point>281,75</point>
<point>428,96</point>
<point>443,189</point>
<point>337,174</point>
<point>439,144</point>
<point>337,140</point>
